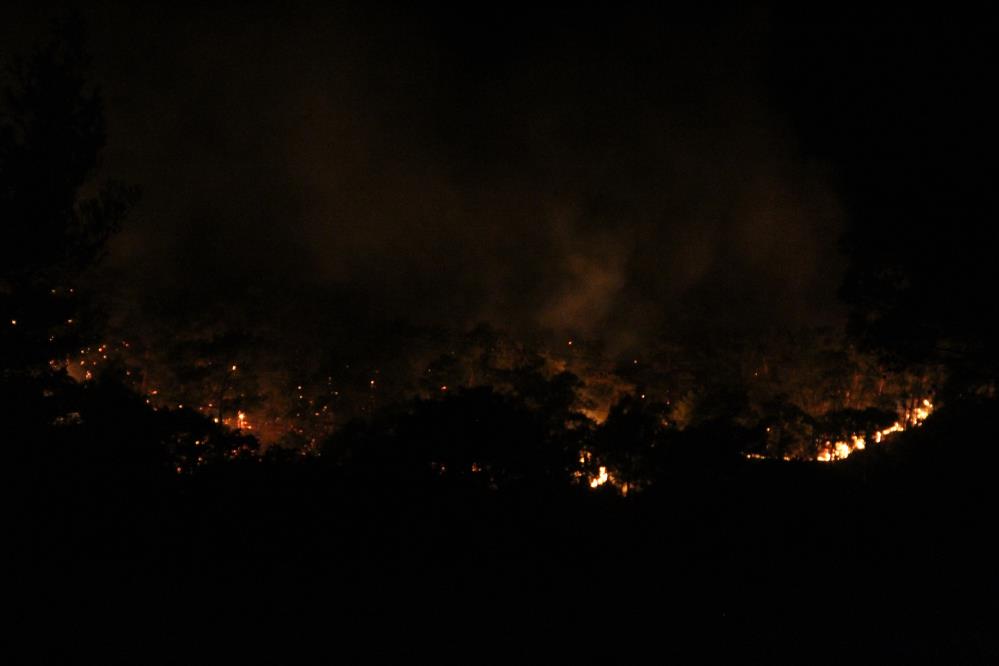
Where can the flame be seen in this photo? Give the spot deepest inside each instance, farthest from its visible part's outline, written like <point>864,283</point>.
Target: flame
<point>912,418</point>
<point>919,414</point>
<point>842,449</point>
<point>600,479</point>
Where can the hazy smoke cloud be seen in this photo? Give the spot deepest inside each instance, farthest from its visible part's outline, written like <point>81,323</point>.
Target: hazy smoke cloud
<point>617,181</point>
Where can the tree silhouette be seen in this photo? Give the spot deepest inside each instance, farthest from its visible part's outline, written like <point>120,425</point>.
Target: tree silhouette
<point>52,129</point>
<point>901,111</point>
<point>628,439</point>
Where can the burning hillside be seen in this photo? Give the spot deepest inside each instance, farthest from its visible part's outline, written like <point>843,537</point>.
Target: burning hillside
<point>811,399</point>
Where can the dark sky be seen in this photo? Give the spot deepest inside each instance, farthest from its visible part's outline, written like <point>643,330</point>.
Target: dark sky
<point>607,173</point>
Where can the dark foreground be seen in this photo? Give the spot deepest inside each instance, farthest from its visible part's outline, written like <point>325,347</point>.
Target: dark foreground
<point>887,556</point>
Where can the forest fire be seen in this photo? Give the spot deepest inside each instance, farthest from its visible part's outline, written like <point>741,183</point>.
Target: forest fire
<point>256,396</point>
<point>839,450</point>
<point>523,311</point>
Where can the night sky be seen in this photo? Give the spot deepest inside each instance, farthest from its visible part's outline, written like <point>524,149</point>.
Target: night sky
<point>611,174</point>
